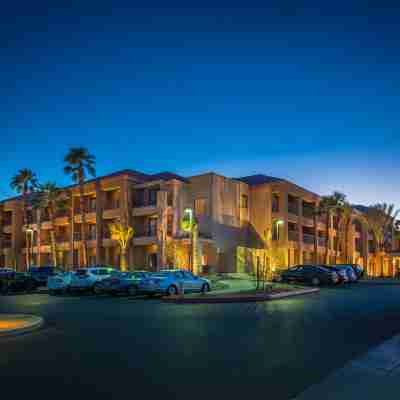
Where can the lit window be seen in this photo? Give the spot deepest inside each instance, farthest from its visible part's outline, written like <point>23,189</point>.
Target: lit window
<point>200,206</point>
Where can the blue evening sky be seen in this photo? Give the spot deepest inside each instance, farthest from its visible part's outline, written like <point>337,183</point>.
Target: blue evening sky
<point>300,90</point>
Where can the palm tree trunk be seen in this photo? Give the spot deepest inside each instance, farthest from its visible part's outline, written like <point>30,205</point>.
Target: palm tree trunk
<point>53,237</point>
<point>39,239</point>
<point>25,221</point>
<point>123,264</point>
<point>83,224</point>
<point>315,238</point>
<point>327,237</point>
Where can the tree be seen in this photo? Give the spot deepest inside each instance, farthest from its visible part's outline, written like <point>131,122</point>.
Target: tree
<point>329,206</point>
<point>122,234</point>
<point>25,183</point>
<point>51,198</point>
<point>189,224</point>
<point>80,163</point>
<point>381,219</point>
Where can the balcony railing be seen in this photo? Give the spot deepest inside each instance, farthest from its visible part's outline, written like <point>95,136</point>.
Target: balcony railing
<point>322,241</point>
<point>7,243</point>
<point>293,209</point>
<point>62,238</point>
<point>308,239</point>
<point>293,236</point>
<point>7,221</point>
<point>111,205</point>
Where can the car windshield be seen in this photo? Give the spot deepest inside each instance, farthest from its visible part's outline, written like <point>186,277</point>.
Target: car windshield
<point>164,274</point>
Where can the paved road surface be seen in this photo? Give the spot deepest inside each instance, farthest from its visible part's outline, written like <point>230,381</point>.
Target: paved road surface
<point>124,348</point>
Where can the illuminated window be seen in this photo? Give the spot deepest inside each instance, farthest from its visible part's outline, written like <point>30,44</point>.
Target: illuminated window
<point>244,201</point>
<point>275,202</point>
<point>200,206</point>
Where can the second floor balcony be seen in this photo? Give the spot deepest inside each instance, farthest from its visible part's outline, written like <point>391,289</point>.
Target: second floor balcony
<point>308,239</point>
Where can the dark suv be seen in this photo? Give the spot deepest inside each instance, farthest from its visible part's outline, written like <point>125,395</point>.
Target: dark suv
<point>311,274</point>
<point>41,274</point>
<point>11,281</point>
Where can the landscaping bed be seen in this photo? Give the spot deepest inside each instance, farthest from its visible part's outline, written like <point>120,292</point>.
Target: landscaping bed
<point>271,292</point>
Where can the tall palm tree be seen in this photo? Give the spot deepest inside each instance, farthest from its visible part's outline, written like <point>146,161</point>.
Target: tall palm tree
<point>381,219</point>
<point>80,163</point>
<point>38,207</point>
<point>25,183</point>
<point>52,199</point>
<point>328,206</point>
<point>347,212</point>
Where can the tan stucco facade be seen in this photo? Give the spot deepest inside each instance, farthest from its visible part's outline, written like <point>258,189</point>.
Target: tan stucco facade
<point>233,218</point>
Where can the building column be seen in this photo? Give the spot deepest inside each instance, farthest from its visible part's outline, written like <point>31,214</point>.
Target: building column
<point>300,229</point>
<point>17,237</point>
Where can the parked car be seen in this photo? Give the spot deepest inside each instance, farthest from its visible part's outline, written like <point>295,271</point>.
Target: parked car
<point>358,270</point>
<point>124,282</point>
<point>88,279</point>
<point>341,273</point>
<point>16,282</point>
<point>171,281</point>
<point>350,272</point>
<point>59,282</point>
<point>311,274</point>
<point>41,274</point>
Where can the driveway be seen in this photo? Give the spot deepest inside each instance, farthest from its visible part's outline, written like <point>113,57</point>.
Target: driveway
<point>123,348</point>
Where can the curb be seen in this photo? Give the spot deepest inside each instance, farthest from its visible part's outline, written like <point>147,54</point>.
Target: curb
<point>29,324</point>
<point>207,299</point>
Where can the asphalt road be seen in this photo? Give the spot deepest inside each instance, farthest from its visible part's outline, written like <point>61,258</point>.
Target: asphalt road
<point>124,348</point>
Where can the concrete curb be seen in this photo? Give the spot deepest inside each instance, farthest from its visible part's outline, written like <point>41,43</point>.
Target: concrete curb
<point>207,299</point>
<point>29,323</point>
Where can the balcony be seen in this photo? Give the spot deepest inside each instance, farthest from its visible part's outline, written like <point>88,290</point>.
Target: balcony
<point>7,221</point>
<point>322,241</point>
<point>293,208</point>
<point>308,239</point>
<point>7,243</point>
<point>112,205</point>
<point>293,236</point>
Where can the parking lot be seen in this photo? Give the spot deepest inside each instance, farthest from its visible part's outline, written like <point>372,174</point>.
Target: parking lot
<point>108,347</point>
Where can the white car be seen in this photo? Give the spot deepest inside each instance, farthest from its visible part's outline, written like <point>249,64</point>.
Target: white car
<point>172,281</point>
<point>88,279</point>
<point>59,282</point>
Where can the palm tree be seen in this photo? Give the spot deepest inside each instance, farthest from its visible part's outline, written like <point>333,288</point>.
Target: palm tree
<point>381,219</point>
<point>25,183</point>
<point>328,206</point>
<point>80,163</point>
<point>347,212</point>
<point>38,206</point>
<point>122,234</point>
<point>52,199</point>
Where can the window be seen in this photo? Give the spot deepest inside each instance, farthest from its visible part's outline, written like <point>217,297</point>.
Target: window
<point>187,275</point>
<point>153,227</point>
<point>200,206</point>
<point>153,197</point>
<point>244,201</point>
<point>275,202</point>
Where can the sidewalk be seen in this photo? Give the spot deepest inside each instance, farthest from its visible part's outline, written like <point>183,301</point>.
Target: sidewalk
<point>374,376</point>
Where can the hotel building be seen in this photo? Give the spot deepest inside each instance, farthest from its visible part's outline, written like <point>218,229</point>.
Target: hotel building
<point>235,217</point>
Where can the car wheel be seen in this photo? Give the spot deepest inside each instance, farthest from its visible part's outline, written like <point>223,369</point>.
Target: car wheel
<point>172,290</point>
<point>96,288</point>
<point>132,291</point>
<point>205,288</point>
<point>315,281</point>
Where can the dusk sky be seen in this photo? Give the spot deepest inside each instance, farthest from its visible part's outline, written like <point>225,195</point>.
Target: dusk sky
<point>305,91</point>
